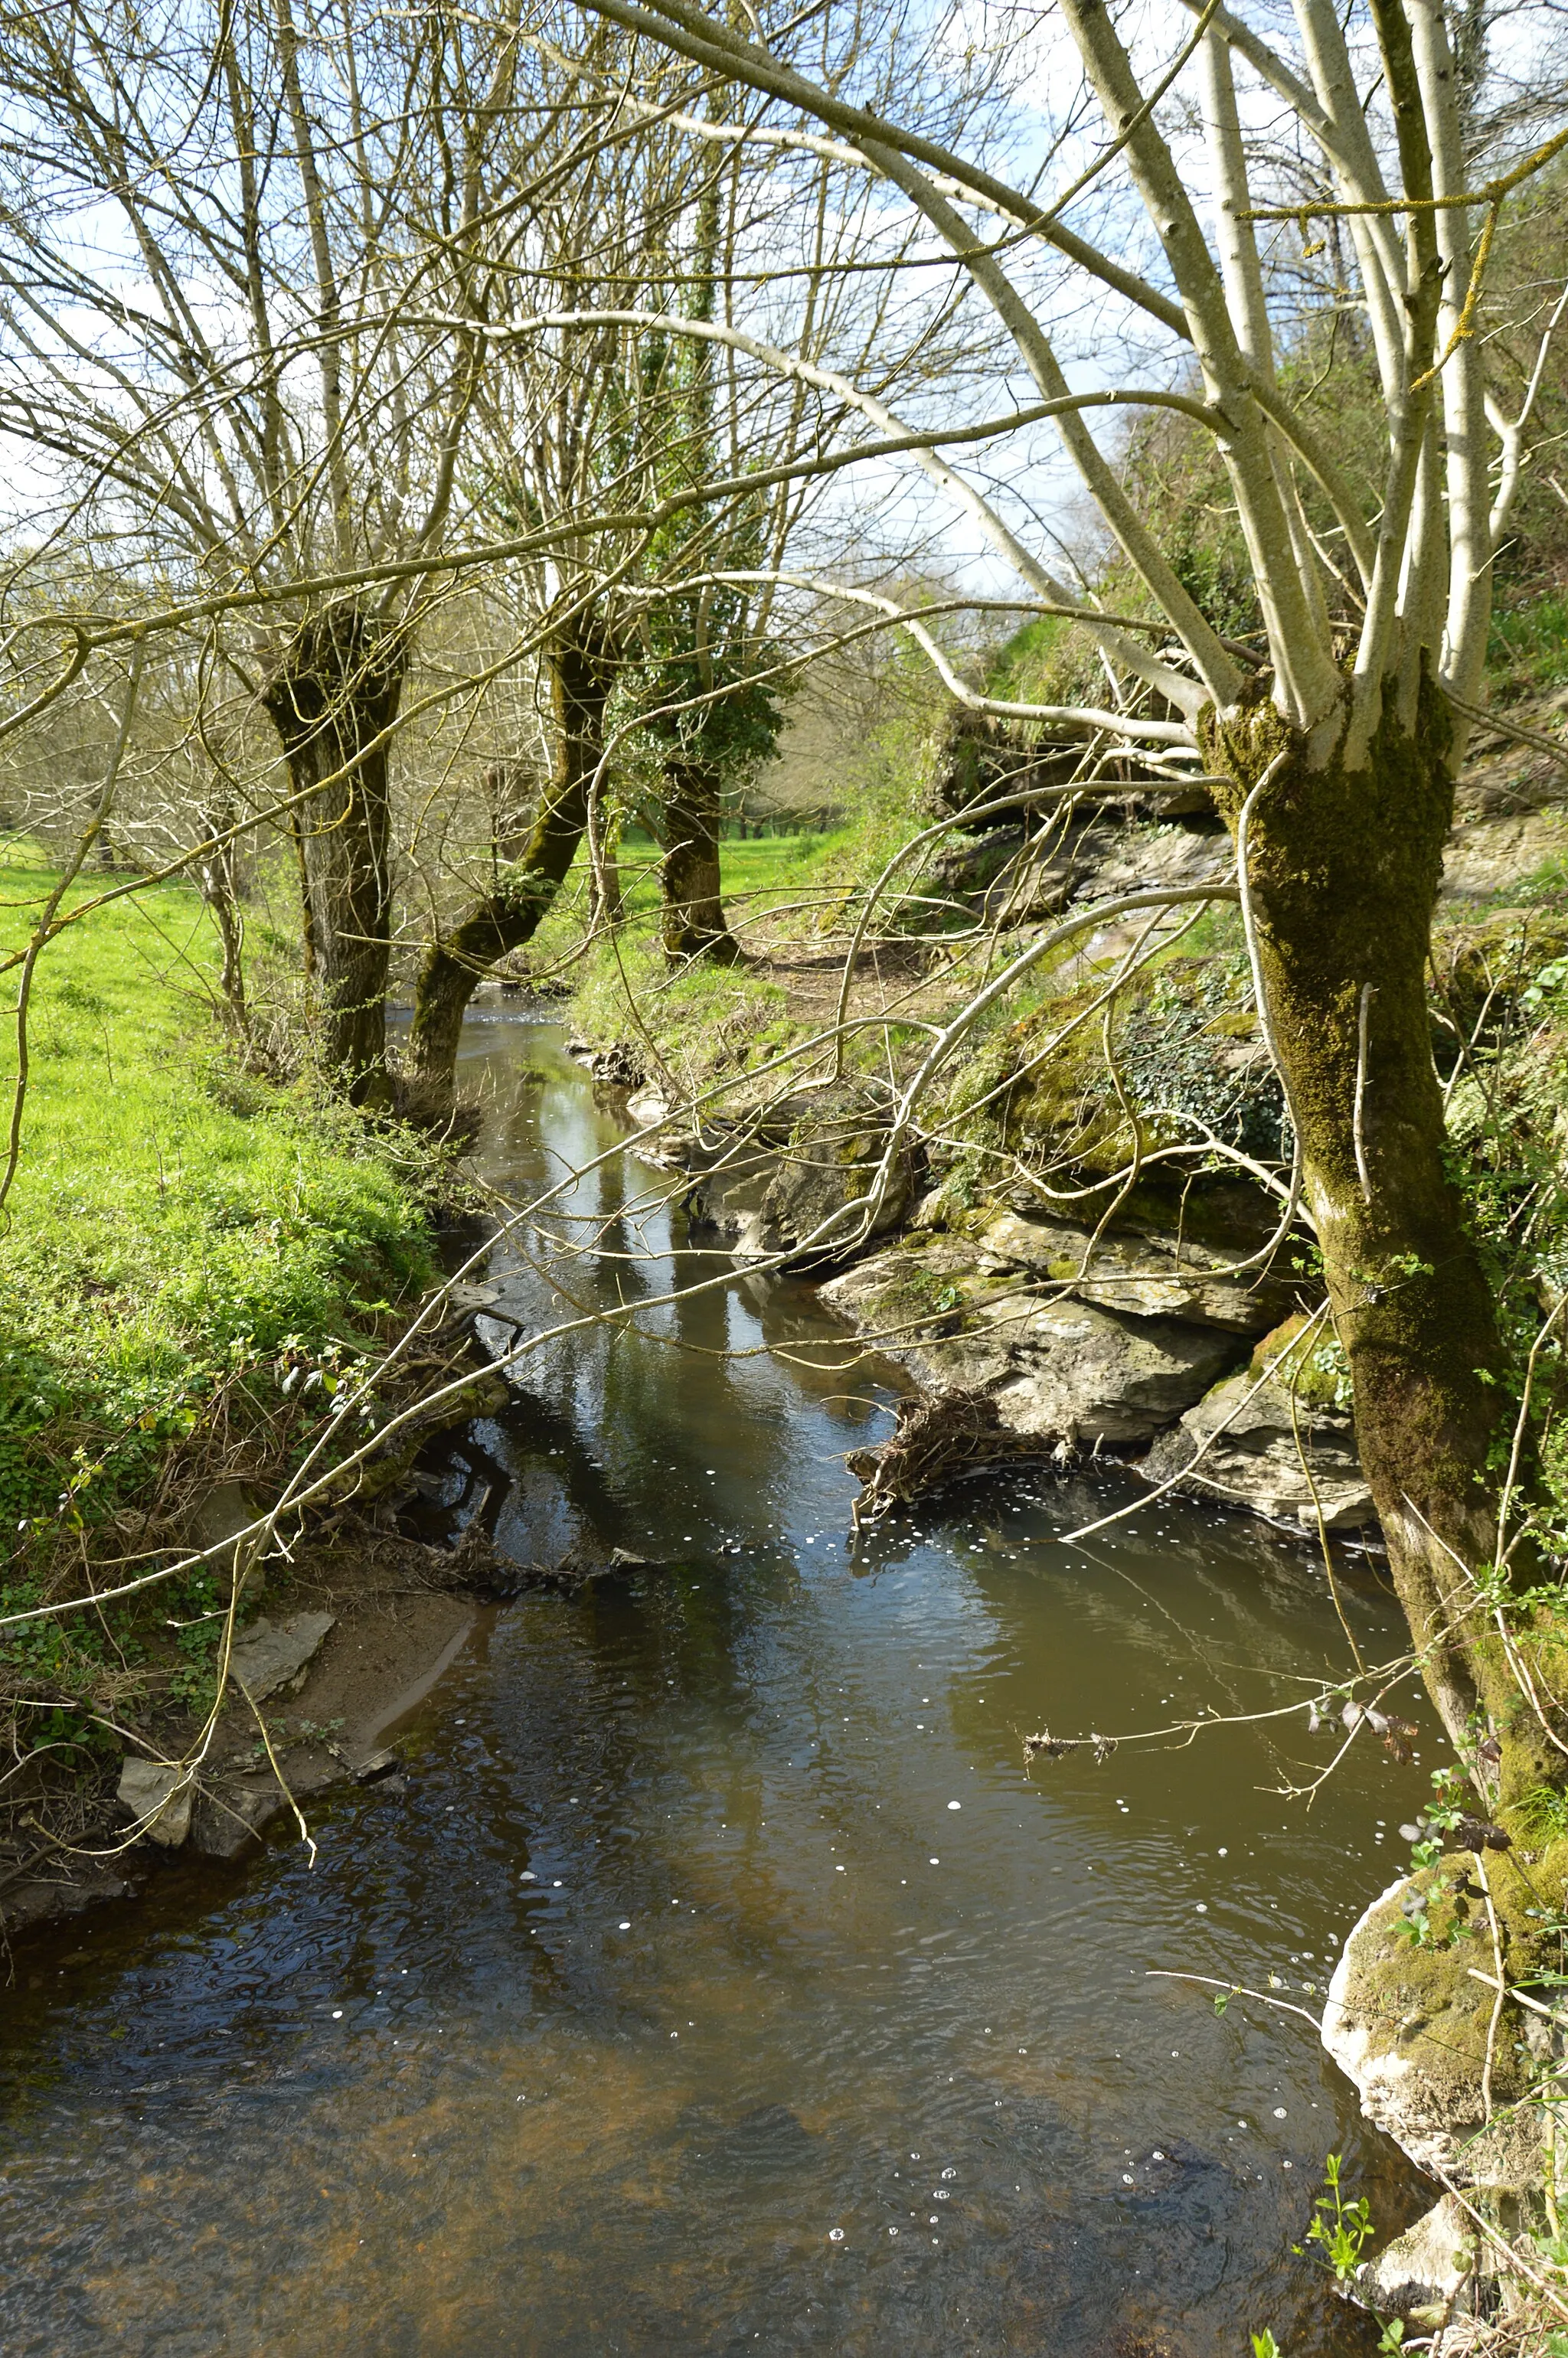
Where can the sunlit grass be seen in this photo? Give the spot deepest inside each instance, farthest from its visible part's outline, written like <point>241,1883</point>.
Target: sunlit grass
<point>170,1223</point>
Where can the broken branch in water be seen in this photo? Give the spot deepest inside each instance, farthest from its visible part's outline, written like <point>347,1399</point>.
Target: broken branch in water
<point>939,1437</point>
<point>1327,1705</point>
<point>1232,1989</point>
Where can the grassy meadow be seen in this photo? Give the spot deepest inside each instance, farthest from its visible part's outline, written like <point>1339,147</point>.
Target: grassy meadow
<point>173,1226</point>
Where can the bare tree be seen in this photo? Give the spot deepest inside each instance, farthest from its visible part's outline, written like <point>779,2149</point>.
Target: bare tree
<point>656,362</point>
<point>1332,759</point>
<point>242,329</point>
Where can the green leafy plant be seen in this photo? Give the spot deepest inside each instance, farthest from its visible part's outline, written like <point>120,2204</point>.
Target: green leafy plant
<point>1339,2229</point>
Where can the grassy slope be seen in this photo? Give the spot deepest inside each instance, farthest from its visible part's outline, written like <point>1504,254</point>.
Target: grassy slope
<point>171,1225</point>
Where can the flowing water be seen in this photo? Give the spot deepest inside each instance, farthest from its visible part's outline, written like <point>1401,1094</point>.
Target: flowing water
<point>723,1981</point>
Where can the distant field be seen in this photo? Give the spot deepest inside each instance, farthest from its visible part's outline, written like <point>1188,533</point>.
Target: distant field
<point>758,870</point>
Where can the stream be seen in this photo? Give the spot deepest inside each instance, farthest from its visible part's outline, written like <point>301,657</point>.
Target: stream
<point>723,1981</point>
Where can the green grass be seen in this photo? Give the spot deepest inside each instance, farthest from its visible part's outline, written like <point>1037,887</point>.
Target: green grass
<point>1529,648</point>
<point>754,871</point>
<point>171,1225</point>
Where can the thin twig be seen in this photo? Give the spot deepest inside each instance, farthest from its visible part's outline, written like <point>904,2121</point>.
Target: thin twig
<point>1502,1989</point>
<point>1369,991</point>
<point>1165,1973</point>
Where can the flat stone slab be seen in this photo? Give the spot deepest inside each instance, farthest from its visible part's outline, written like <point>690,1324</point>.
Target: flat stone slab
<point>161,1796</point>
<point>226,1510</point>
<point>275,1654</point>
<point>1144,1276</point>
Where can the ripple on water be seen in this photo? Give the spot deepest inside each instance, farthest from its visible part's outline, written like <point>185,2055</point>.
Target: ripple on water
<point>475,2084</point>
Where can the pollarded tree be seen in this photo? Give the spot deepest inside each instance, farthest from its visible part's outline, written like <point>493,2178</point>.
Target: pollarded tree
<point>654,469</point>
<point>715,719</point>
<point>1332,759</point>
<point>245,260</point>
<point>566,429</point>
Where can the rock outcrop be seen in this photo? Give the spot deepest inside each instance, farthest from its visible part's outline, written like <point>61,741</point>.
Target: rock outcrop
<point>1058,1367</point>
<point>1249,1445</point>
<point>1129,1341</point>
<point>1144,1271</point>
<point>1414,2025</point>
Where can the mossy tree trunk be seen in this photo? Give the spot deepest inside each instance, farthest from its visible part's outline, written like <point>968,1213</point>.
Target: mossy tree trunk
<point>693,923</point>
<point>1343,865</point>
<point>333,699</point>
<point>502,919</point>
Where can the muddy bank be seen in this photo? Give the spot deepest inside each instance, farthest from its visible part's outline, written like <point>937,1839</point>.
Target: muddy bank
<point>394,1626</point>
<point>339,1643</point>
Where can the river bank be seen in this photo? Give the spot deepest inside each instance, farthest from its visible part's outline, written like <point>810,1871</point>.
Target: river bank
<point>1083,1222</point>
<point>719,1908</point>
<point>201,1254</point>
<point>396,1618</point>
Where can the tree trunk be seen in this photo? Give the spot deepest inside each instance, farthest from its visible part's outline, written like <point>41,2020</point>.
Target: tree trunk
<point>215,880</point>
<point>1344,868</point>
<point>331,699</point>
<point>607,905</point>
<point>306,923</point>
<point>506,917</point>
<point>693,922</point>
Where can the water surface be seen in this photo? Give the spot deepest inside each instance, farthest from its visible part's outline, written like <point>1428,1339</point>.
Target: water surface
<point>723,1981</point>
